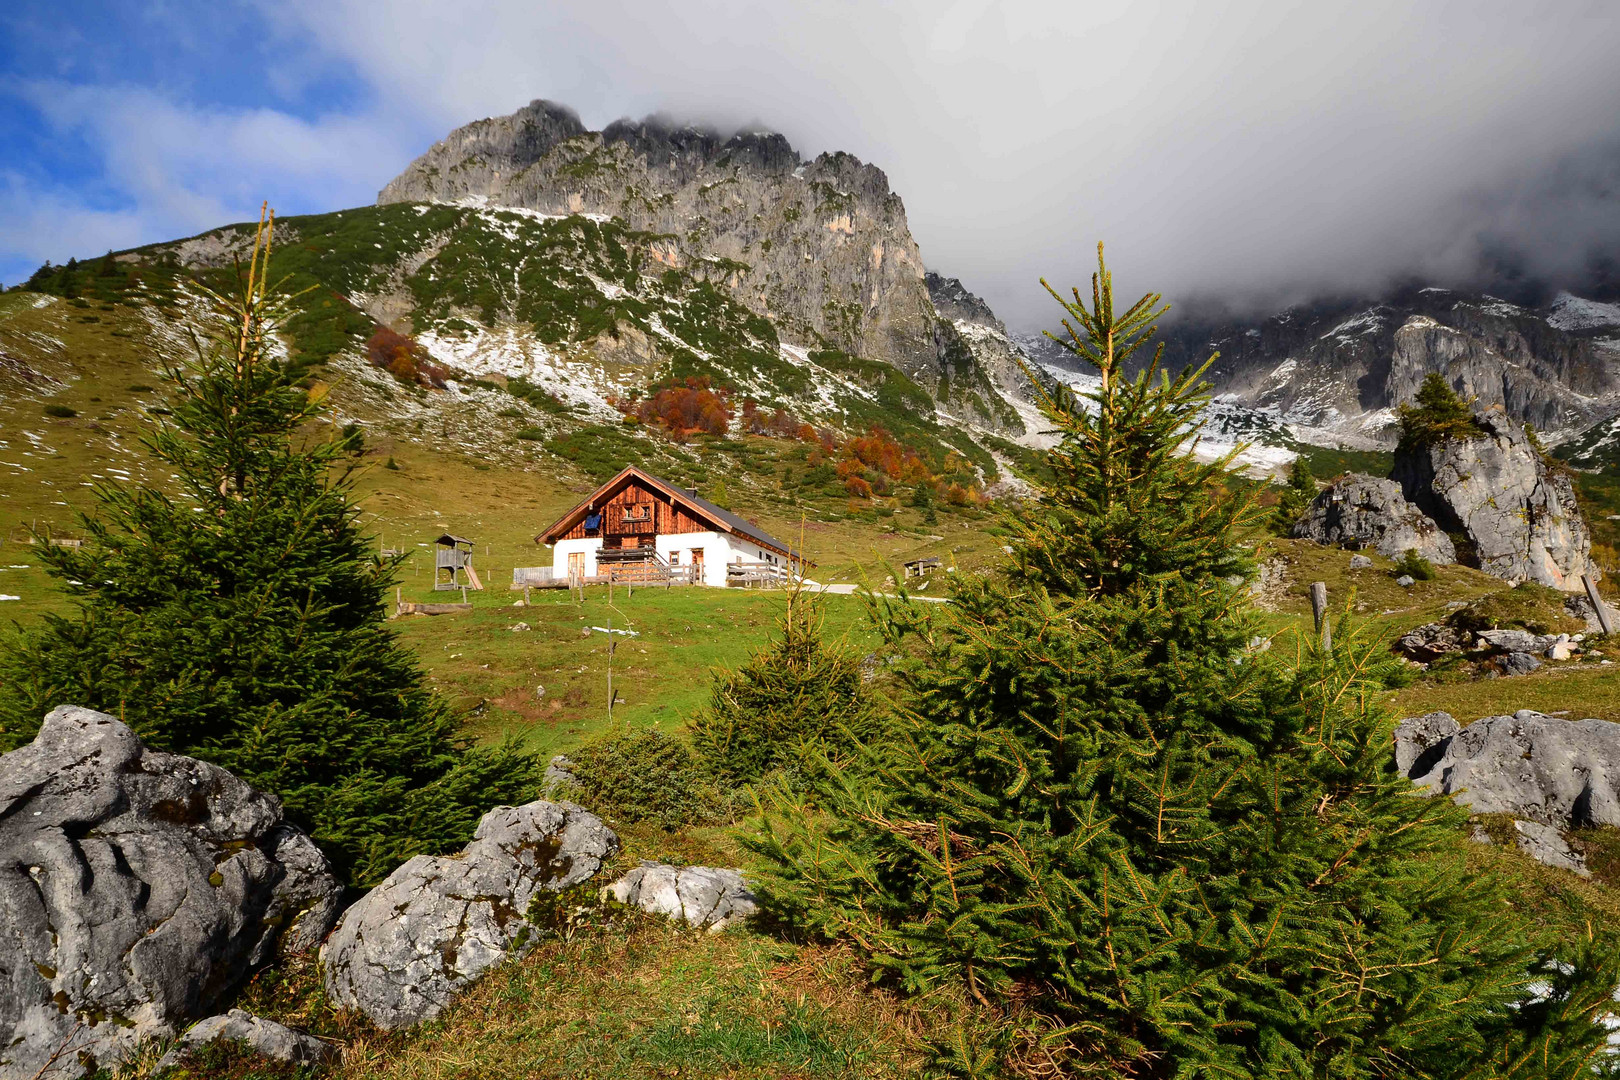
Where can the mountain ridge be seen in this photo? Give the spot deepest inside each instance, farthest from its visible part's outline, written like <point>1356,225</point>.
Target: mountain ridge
<point>821,246</point>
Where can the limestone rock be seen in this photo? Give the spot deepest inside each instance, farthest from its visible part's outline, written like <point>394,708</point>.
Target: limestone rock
<point>1520,514</point>
<point>1563,773</point>
<point>1516,640</point>
<point>822,246</point>
<point>265,1037</point>
<point>1562,648</point>
<point>437,923</point>
<point>1414,738</point>
<point>1360,562</point>
<point>1431,641</point>
<point>1519,663</point>
<point>1406,581</point>
<point>703,896</point>
<point>1363,511</point>
<point>136,889</point>
<point>559,773</point>
<point>1545,844</point>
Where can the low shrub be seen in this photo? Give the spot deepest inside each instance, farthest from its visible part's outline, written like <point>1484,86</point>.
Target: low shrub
<point>643,775</point>
<point>532,434</point>
<point>1414,566</point>
<point>61,412</point>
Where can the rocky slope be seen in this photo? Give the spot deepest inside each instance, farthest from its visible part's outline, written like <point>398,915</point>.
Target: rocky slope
<point>535,326</point>
<point>820,247</point>
<point>1337,370</point>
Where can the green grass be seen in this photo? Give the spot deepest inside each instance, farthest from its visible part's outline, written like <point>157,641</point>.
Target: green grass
<point>1326,464</point>
<point>632,1001</point>
<point>661,675</point>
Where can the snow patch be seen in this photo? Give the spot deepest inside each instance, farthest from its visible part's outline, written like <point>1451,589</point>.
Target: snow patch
<point>1570,312</point>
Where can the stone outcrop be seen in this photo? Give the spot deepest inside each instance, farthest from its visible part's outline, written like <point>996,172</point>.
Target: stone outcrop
<point>1563,773</point>
<point>136,889</point>
<point>403,951</point>
<point>1519,513</point>
<point>821,247</point>
<point>998,356</point>
<point>1429,642</point>
<point>264,1037</point>
<point>702,896</point>
<point>1546,844</point>
<point>1362,511</point>
<point>1344,366</point>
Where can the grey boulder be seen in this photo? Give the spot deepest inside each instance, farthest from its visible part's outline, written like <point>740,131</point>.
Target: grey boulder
<point>701,896</point>
<point>559,774</point>
<point>1546,844</point>
<point>1562,773</point>
<point>136,889</point>
<point>1519,663</point>
<point>1516,640</point>
<point>1362,511</point>
<point>437,923</point>
<point>1406,581</point>
<point>1360,562</point>
<point>1431,641</point>
<point>265,1037</point>
<point>1520,513</point>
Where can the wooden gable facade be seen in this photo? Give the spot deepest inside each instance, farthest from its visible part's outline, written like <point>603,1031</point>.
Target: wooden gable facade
<point>631,517</point>
<point>634,508</point>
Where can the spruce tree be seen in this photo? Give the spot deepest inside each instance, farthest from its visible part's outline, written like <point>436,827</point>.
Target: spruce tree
<point>1437,413</point>
<point>238,615</point>
<point>796,694</point>
<point>1139,847</point>
<point>1295,499</point>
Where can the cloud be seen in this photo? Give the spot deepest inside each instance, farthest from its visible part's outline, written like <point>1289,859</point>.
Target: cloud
<point>1254,151</point>
<point>163,168</point>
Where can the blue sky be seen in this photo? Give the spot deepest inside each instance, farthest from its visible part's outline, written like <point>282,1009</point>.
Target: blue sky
<point>123,124</point>
<point>1256,148</point>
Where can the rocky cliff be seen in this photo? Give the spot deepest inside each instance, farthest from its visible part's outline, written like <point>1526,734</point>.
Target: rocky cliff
<point>1002,359</point>
<point>1343,367</point>
<point>1518,511</point>
<point>820,247</point>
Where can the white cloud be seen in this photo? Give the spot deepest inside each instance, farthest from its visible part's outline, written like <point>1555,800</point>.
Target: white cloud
<point>169,169</point>
<point>1247,148</point>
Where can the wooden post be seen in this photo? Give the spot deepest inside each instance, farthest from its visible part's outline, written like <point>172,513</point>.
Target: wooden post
<point>1319,608</point>
<point>1597,604</point>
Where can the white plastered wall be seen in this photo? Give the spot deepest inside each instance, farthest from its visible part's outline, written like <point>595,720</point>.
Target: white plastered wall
<point>676,549</point>
<point>590,545</point>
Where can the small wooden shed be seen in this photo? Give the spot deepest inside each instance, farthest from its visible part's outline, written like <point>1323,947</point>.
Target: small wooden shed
<point>452,564</point>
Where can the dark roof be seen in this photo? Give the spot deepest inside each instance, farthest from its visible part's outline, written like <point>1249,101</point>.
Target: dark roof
<point>448,539</point>
<point>738,525</point>
<point>731,522</point>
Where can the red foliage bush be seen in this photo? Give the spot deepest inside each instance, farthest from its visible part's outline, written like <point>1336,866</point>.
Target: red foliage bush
<point>400,356</point>
<point>687,407</point>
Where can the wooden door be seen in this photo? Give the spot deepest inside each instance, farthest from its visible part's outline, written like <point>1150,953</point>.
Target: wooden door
<point>576,565</point>
<point>697,566</point>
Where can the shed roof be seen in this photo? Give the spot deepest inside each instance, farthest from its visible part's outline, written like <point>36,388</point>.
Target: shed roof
<point>724,520</point>
<point>449,540</point>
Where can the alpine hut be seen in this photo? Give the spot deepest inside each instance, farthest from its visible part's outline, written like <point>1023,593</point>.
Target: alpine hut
<point>639,528</point>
